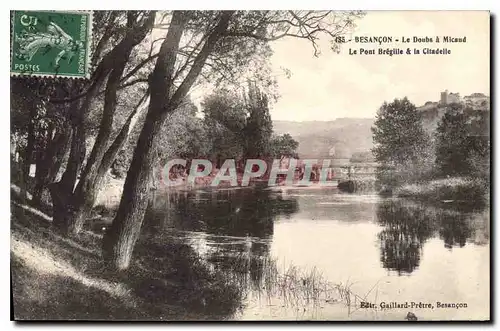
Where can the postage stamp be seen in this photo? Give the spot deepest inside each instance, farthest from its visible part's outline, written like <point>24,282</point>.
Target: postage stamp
<point>51,43</point>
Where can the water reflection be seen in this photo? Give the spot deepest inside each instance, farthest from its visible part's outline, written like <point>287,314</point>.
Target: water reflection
<point>407,226</point>
<point>234,231</point>
<point>405,231</point>
<point>454,229</point>
<point>240,213</point>
<point>238,225</point>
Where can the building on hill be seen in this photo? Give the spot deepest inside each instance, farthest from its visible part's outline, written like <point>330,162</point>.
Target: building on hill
<point>449,98</point>
<point>474,101</point>
<point>432,112</point>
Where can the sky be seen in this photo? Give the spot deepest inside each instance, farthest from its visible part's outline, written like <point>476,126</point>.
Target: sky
<point>342,85</point>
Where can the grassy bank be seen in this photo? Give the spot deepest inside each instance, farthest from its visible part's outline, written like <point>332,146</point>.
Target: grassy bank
<point>465,191</point>
<point>59,277</point>
<point>55,277</point>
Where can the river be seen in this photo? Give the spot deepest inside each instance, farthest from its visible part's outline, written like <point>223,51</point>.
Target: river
<point>317,254</point>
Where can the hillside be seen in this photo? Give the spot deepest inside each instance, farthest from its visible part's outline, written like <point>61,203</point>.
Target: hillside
<point>345,136</point>
<point>317,139</point>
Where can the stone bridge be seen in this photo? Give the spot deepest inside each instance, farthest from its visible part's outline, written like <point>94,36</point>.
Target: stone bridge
<point>354,170</point>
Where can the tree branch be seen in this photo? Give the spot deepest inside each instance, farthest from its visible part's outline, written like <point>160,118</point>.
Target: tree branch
<point>121,138</point>
<point>201,58</point>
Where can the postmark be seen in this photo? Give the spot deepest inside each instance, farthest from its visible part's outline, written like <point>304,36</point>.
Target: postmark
<point>51,43</point>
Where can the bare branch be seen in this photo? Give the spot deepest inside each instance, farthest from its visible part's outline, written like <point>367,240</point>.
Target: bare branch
<point>201,58</point>
<point>121,138</point>
<point>133,82</point>
<point>139,67</point>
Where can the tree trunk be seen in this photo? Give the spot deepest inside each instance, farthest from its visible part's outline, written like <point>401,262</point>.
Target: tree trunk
<point>93,174</point>
<point>89,197</point>
<point>62,192</point>
<point>28,153</point>
<point>41,165</point>
<point>50,162</point>
<point>120,239</point>
<point>87,188</point>
<point>40,178</point>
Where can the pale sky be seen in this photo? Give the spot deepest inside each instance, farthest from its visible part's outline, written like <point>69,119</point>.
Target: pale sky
<point>342,85</point>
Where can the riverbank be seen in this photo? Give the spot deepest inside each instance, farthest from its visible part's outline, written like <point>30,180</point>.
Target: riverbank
<point>56,277</point>
<point>464,191</point>
<point>357,185</point>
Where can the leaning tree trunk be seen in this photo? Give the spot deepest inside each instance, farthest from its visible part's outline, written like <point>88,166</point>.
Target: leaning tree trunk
<point>41,165</point>
<point>90,195</point>
<point>86,188</point>
<point>50,163</point>
<point>62,192</point>
<point>120,239</point>
<point>94,172</point>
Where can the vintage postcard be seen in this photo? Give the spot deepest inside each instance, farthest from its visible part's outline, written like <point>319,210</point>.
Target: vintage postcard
<point>250,165</point>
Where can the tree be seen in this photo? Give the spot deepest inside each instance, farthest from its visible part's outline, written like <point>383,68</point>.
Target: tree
<point>451,143</point>
<point>72,204</point>
<point>462,143</point>
<point>241,128</point>
<point>400,140</point>
<point>284,146</point>
<point>62,121</point>
<point>259,127</point>
<point>225,119</point>
<point>183,136</point>
<point>480,146</point>
<point>218,43</point>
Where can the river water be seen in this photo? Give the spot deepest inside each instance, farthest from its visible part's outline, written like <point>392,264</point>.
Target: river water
<point>317,254</point>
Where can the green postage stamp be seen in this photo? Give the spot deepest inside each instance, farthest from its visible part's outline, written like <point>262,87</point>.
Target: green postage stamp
<point>51,43</point>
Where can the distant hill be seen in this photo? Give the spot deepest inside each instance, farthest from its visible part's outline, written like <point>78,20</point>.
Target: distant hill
<point>319,139</point>
<point>344,137</point>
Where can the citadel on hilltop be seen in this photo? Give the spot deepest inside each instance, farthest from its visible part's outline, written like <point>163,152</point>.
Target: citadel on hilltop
<point>474,101</point>
<point>448,98</point>
<point>432,111</point>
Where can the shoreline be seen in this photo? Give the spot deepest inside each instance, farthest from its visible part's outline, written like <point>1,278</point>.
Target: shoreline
<point>453,192</point>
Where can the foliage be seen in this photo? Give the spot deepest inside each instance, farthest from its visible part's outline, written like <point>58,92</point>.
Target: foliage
<point>283,146</point>
<point>469,192</point>
<point>133,60</point>
<point>398,133</point>
<point>259,127</point>
<point>225,116</point>
<point>400,142</point>
<point>452,143</point>
<point>184,136</point>
<point>462,143</point>
<point>241,127</point>
<point>244,49</point>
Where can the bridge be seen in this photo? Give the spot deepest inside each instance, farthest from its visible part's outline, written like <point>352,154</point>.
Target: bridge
<point>353,170</point>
